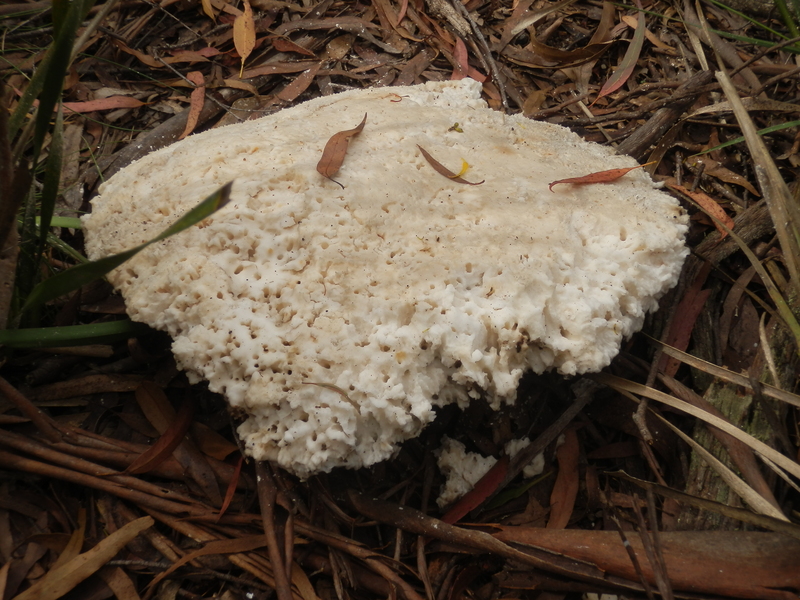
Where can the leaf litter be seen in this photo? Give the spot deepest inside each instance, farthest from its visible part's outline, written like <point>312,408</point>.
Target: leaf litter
<point>72,421</point>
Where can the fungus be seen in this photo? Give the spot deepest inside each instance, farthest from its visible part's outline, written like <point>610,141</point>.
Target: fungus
<point>335,319</point>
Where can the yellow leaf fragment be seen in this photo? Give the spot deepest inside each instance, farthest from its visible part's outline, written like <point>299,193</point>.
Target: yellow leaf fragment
<point>442,170</point>
<point>464,168</point>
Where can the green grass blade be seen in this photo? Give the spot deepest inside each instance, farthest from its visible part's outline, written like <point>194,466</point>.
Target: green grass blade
<point>761,132</point>
<point>58,244</point>
<point>69,222</point>
<point>78,276</point>
<point>788,18</point>
<point>52,179</point>
<point>782,207</point>
<point>72,335</point>
<point>49,77</point>
<point>754,21</point>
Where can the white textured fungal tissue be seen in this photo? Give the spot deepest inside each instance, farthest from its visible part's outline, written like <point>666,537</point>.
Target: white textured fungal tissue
<point>335,319</point>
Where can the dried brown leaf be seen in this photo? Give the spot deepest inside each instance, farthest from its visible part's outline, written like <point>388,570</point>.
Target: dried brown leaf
<point>299,84</point>
<point>110,103</point>
<point>75,543</point>
<point>628,64</point>
<point>599,177</point>
<point>712,168</point>
<point>119,582</point>
<point>461,57</point>
<point>197,100</point>
<point>486,486</point>
<point>60,581</point>
<point>283,44</point>
<point>231,491</point>
<point>244,34</point>
<point>211,443</point>
<point>565,490</point>
<point>335,151</point>
<point>709,205</point>
<point>442,170</point>
<point>224,546</point>
<point>163,448</point>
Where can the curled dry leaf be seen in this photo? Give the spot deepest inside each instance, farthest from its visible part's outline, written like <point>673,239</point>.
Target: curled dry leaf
<point>709,205</point>
<point>565,490</point>
<point>163,448</point>
<point>110,103</point>
<point>335,151</point>
<point>442,170</point>
<point>599,177</point>
<point>197,100</point>
<point>628,64</point>
<point>244,34</point>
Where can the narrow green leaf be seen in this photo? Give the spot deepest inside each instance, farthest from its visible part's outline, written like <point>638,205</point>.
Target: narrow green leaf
<point>72,335</point>
<point>70,222</point>
<point>740,139</point>
<point>52,179</point>
<point>74,278</point>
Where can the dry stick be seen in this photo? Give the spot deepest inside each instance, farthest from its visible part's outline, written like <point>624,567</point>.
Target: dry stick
<point>629,549</point>
<point>246,561</point>
<point>485,56</point>
<point>540,114</point>
<point>659,570</point>
<point>370,558</point>
<point>422,563</point>
<point>12,461</point>
<point>43,423</point>
<point>761,54</point>
<point>793,73</point>
<point>31,446</point>
<point>641,112</point>
<point>651,510</point>
<point>366,580</point>
<point>267,494</point>
<point>584,392</point>
<point>639,141</point>
<point>416,522</point>
<point>86,444</point>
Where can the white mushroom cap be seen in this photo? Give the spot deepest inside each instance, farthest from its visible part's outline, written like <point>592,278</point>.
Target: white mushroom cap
<point>404,290</point>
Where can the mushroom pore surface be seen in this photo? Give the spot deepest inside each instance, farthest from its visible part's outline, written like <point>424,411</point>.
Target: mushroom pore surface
<point>336,319</point>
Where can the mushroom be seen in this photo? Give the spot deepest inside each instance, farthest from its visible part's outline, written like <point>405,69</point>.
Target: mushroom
<point>334,319</point>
